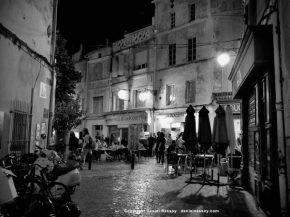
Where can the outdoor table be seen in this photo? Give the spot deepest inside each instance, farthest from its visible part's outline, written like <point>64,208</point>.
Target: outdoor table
<point>139,152</point>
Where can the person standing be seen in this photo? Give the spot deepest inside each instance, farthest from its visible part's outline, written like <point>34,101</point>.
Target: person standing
<point>150,144</point>
<point>161,147</point>
<point>157,148</point>
<point>85,148</point>
<point>168,141</point>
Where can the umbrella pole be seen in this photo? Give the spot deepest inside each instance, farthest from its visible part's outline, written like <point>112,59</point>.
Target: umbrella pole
<point>218,174</point>
<point>204,174</point>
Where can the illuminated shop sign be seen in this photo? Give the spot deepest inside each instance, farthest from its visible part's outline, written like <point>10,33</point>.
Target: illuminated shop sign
<point>173,115</point>
<point>236,107</point>
<point>133,118</point>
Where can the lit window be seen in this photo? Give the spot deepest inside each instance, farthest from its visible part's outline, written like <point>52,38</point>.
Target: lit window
<point>138,103</point>
<point>172,54</point>
<point>190,91</point>
<point>191,49</point>
<point>170,94</point>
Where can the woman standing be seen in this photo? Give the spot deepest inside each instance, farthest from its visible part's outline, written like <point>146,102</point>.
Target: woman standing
<point>85,149</point>
<point>157,148</point>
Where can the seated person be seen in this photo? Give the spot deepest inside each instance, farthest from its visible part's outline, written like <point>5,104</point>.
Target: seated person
<point>172,148</point>
<point>181,149</point>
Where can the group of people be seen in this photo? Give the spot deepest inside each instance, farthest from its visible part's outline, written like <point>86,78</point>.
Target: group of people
<point>158,145</point>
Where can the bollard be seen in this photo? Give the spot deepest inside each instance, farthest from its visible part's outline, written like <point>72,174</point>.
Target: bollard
<point>132,160</point>
<point>90,160</point>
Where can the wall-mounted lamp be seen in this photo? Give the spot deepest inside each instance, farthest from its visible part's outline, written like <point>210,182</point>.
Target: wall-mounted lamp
<point>224,57</point>
<point>122,94</point>
<point>145,93</point>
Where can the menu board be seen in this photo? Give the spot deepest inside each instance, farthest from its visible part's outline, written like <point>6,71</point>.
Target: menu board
<point>134,136</point>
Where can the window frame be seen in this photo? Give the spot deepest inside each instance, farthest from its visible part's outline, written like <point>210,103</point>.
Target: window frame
<point>171,88</point>
<point>95,110</point>
<point>172,54</point>
<point>190,96</point>
<point>192,12</point>
<point>117,102</point>
<point>172,20</point>
<point>137,101</point>
<point>191,49</point>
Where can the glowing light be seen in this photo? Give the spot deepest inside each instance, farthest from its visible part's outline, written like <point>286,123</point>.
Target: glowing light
<point>122,94</point>
<point>223,59</point>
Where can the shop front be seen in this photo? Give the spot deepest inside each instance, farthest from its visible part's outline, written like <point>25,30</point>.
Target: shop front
<point>170,123</point>
<point>253,83</point>
<point>118,124</point>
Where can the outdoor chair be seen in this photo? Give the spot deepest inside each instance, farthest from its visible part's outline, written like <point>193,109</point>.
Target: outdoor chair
<point>171,160</point>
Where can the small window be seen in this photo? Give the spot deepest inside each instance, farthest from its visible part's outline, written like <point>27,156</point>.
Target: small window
<point>98,105</point>
<point>190,91</point>
<point>172,54</point>
<point>191,49</point>
<point>170,94</point>
<point>100,55</point>
<point>172,20</point>
<point>192,12</point>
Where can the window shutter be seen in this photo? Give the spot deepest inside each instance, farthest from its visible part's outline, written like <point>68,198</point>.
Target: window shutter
<point>115,67</point>
<point>106,68</point>
<point>186,91</point>
<point>121,65</point>
<point>167,95</point>
<point>141,58</point>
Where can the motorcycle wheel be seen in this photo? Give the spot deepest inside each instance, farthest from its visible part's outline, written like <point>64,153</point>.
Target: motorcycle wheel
<point>58,192</point>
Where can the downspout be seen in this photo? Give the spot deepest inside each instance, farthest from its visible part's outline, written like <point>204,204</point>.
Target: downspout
<point>283,189</point>
<point>53,80</point>
<point>155,66</point>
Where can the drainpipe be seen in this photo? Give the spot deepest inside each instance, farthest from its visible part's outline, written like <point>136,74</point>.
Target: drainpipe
<point>283,189</point>
<point>53,80</point>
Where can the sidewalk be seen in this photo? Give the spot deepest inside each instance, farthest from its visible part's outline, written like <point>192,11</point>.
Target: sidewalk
<point>113,189</point>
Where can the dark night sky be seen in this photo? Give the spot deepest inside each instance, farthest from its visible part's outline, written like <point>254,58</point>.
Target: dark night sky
<point>92,21</point>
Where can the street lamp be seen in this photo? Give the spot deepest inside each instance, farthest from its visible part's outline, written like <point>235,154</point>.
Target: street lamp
<point>143,96</point>
<point>223,59</point>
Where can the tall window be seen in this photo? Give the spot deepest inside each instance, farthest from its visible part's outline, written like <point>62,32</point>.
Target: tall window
<point>190,91</point>
<point>170,94</point>
<point>118,104</point>
<point>98,104</point>
<point>172,24</point>
<point>192,12</point>
<point>191,49</point>
<point>172,54</point>
<point>137,102</point>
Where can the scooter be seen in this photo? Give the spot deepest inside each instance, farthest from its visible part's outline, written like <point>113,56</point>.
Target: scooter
<point>65,172</point>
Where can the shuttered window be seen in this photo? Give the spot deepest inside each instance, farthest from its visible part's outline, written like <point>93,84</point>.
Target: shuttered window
<point>192,12</point>
<point>98,104</point>
<point>115,66</point>
<point>121,65</point>
<point>172,16</point>
<point>141,60</point>
<point>190,91</point>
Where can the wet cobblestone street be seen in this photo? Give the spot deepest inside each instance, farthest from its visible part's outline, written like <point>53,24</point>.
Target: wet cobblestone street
<point>113,189</point>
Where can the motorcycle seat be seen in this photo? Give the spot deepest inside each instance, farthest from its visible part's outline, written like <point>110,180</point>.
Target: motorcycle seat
<point>74,163</point>
<point>61,169</point>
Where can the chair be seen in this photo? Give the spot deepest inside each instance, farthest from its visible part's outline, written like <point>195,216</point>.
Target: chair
<point>234,167</point>
<point>172,160</point>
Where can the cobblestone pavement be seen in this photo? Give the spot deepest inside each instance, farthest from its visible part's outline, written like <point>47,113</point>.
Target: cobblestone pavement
<point>113,189</point>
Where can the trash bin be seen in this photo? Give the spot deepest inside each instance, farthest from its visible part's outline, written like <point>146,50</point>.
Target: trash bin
<point>103,157</point>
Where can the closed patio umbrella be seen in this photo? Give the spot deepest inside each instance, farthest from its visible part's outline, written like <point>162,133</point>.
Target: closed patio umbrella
<point>220,135</point>
<point>230,129</point>
<point>204,129</point>
<point>189,135</point>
